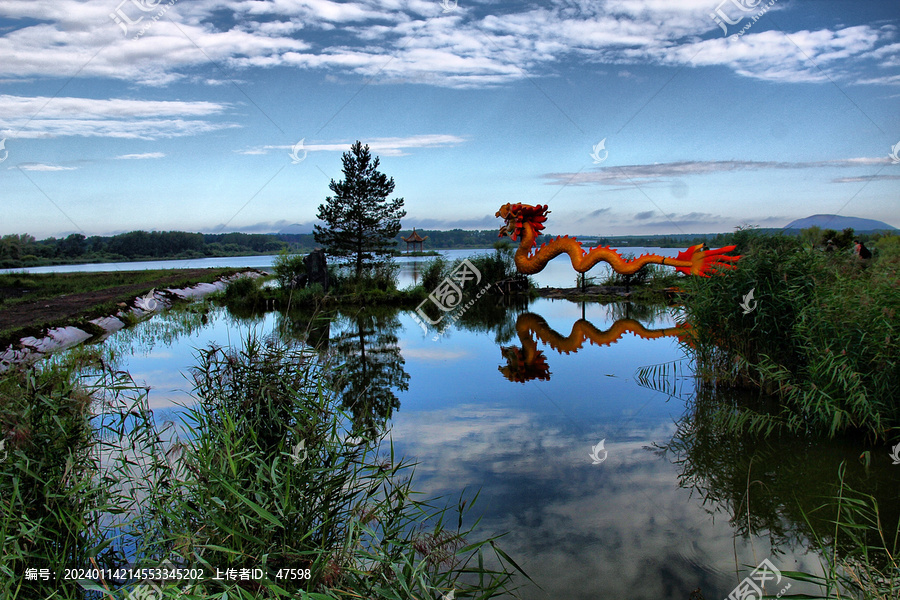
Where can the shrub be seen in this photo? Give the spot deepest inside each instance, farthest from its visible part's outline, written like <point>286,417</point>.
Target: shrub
<point>824,335</point>
<point>381,277</point>
<point>288,267</point>
<point>433,272</point>
<point>244,292</point>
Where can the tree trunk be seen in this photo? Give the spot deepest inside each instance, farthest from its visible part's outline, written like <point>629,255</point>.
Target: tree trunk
<point>358,254</point>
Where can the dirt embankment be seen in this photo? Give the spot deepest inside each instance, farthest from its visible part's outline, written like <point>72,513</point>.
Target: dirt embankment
<point>73,306</point>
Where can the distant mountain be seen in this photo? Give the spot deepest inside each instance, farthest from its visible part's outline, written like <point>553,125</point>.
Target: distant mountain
<point>297,228</point>
<point>839,223</point>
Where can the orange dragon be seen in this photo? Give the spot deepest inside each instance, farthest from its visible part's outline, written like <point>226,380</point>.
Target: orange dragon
<point>528,221</point>
<point>527,363</point>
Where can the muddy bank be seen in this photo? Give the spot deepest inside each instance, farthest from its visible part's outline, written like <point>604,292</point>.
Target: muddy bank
<point>72,306</point>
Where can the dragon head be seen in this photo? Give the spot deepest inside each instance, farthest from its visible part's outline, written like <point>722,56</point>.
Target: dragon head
<point>517,216</point>
<point>704,262</point>
<point>518,368</point>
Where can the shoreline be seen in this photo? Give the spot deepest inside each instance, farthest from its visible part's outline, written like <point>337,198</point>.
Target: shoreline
<point>71,321</point>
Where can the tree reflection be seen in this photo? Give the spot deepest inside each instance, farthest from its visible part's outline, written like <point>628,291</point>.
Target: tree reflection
<point>369,367</point>
<point>308,326</point>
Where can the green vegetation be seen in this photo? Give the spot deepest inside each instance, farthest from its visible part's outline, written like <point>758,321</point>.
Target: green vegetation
<point>25,251</point>
<point>375,284</point>
<point>868,567</point>
<point>823,337</point>
<point>272,475</point>
<point>812,354</point>
<point>50,500</point>
<point>360,222</point>
<point>288,269</point>
<point>652,277</point>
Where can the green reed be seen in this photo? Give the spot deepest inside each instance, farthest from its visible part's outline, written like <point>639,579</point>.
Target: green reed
<point>264,472</point>
<point>862,563</point>
<point>59,502</point>
<point>823,335</point>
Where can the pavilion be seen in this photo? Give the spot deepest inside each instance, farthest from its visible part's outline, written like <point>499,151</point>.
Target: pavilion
<point>414,238</point>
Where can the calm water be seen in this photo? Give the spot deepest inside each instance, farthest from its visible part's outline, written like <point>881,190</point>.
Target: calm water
<point>642,524</point>
<point>496,404</point>
<point>558,273</point>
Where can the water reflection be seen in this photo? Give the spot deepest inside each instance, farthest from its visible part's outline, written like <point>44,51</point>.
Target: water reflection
<point>647,523</point>
<point>784,487</point>
<point>369,368</point>
<point>526,362</point>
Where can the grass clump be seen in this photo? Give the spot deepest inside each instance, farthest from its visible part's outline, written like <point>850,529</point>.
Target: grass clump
<point>288,269</point>
<point>862,560</point>
<point>271,445</point>
<point>60,497</point>
<point>266,472</point>
<point>821,333</point>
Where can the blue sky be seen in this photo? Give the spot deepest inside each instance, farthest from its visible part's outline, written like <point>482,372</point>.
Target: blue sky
<point>183,115</point>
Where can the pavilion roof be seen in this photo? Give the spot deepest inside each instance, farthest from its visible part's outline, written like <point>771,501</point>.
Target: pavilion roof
<point>414,237</point>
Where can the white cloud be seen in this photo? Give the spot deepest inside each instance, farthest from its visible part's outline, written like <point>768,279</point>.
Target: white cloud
<point>69,107</point>
<point>41,167</point>
<point>413,41</point>
<point>141,156</point>
<point>44,117</point>
<point>392,146</point>
<point>640,174</point>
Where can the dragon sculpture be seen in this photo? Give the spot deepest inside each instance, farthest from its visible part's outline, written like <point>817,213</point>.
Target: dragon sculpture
<point>527,222</point>
<point>527,363</point>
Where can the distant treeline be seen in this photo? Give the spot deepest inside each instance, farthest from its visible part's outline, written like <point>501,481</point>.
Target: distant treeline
<point>23,250</point>
<point>460,238</point>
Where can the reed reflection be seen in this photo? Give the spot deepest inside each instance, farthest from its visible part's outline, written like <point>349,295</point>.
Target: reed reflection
<point>791,489</point>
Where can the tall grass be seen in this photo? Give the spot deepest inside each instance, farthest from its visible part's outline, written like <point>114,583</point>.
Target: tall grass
<point>68,441</point>
<point>869,569</point>
<point>266,472</point>
<point>824,335</point>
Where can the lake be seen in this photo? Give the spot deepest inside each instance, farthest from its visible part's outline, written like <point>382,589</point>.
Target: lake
<point>557,274</point>
<point>515,400</point>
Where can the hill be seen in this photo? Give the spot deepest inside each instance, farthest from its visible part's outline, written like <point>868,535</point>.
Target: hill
<point>838,223</point>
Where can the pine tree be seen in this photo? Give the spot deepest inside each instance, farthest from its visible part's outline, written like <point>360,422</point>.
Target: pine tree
<point>360,222</point>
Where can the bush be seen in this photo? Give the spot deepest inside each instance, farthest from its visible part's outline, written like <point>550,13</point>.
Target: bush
<point>244,292</point>
<point>381,277</point>
<point>824,334</point>
<point>433,272</point>
<point>288,267</point>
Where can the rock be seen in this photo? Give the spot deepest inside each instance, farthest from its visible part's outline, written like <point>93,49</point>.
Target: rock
<point>316,268</point>
<point>108,324</point>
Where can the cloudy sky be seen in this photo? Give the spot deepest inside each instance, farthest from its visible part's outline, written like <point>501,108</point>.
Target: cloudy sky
<point>625,116</point>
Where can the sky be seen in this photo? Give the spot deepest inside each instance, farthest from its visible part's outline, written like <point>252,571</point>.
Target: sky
<point>624,116</point>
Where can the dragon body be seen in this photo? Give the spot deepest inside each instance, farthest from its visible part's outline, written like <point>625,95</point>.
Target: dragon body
<point>526,222</point>
<point>528,362</point>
